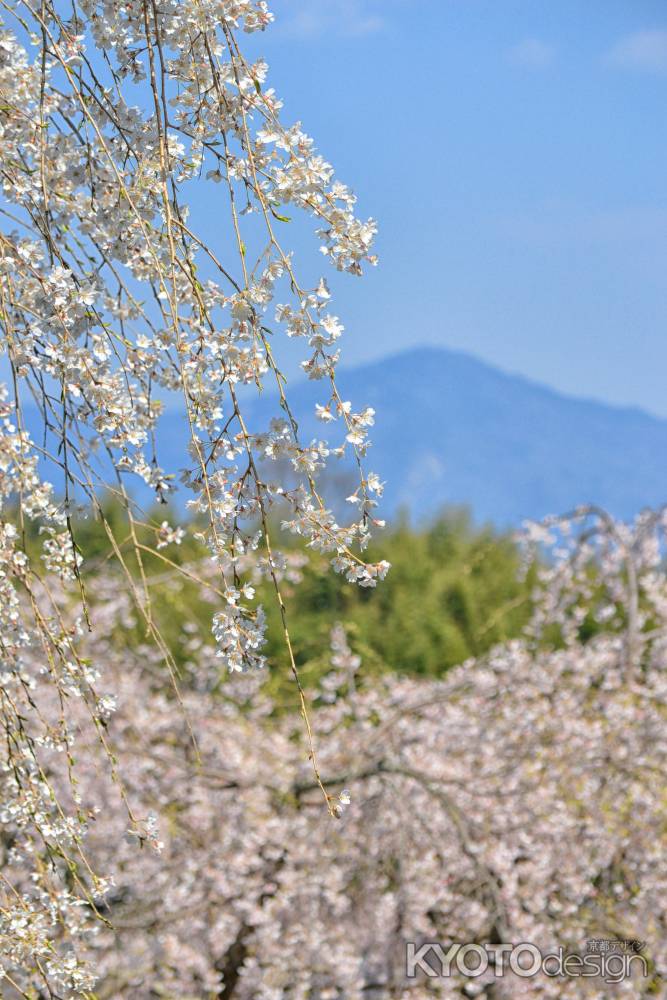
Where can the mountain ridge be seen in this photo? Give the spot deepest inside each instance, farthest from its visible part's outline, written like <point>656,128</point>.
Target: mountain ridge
<point>421,351</point>
<point>451,428</point>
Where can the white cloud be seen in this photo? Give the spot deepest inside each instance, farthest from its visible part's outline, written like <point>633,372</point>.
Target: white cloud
<point>312,18</point>
<point>532,53</point>
<point>644,50</point>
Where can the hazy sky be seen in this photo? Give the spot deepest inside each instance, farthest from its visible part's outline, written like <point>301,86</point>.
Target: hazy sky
<point>515,155</point>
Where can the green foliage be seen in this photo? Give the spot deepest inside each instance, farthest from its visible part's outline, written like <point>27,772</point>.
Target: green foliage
<point>453,592</point>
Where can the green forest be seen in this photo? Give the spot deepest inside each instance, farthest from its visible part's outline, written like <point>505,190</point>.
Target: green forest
<point>455,590</point>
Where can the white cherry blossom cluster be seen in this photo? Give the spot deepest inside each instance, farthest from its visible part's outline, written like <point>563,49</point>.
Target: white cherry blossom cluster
<point>113,303</point>
<point>41,670</point>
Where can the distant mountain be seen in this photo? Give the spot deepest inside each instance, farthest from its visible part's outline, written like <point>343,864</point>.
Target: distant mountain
<point>451,429</point>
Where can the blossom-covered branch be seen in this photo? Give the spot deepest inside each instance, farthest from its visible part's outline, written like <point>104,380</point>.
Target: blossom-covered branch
<point>113,304</point>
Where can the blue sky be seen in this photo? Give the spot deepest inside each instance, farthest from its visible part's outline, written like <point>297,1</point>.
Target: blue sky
<point>515,155</point>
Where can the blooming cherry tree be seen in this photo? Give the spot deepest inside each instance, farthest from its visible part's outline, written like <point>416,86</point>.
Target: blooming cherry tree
<point>518,799</point>
<point>162,839</point>
<point>111,302</point>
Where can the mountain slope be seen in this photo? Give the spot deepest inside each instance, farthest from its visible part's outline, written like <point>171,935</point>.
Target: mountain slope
<point>452,429</point>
